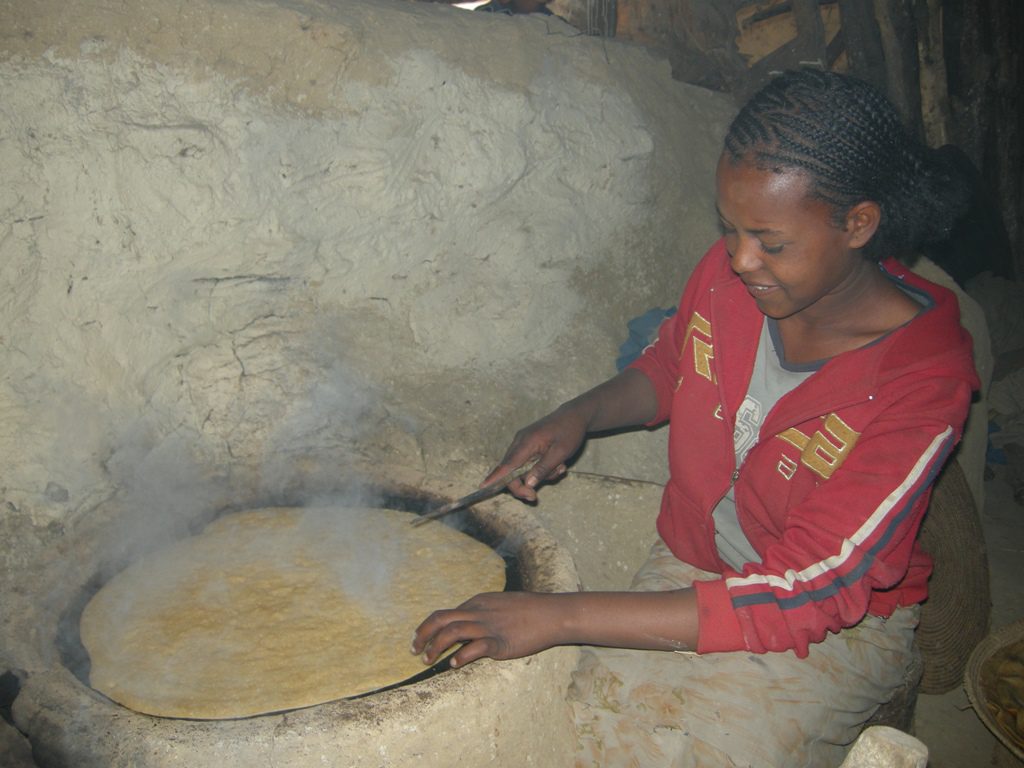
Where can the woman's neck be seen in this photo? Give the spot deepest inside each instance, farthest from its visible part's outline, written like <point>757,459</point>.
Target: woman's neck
<point>869,310</point>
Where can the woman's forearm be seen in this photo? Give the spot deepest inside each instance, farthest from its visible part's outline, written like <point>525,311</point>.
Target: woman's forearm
<point>644,620</point>
<point>510,625</point>
<point>626,400</point>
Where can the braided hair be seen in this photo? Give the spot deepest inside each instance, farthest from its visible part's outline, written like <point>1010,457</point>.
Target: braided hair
<point>847,137</point>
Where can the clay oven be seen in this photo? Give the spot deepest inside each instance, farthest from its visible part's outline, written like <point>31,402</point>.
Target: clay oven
<point>451,717</point>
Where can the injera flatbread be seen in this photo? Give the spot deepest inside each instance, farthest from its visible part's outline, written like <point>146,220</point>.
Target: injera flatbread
<point>278,608</point>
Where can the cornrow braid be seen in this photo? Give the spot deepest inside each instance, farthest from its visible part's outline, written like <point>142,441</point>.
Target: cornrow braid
<point>848,138</point>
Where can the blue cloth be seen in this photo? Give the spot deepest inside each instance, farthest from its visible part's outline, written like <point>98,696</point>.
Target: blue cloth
<point>643,330</point>
<point>994,455</point>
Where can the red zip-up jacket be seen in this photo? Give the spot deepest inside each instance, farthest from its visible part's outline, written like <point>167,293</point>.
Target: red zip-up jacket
<point>832,495</point>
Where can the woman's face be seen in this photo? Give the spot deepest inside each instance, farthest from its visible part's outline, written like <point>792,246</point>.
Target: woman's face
<point>785,246</point>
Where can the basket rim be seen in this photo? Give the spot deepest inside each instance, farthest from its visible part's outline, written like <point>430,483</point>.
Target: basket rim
<point>991,643</point>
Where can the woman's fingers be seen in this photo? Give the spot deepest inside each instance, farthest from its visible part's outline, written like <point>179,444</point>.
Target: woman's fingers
<point>473,650</point>
<point>500,625</point>
<point>550,442</point>
<point>428,629</point>
<point>520,487</point>
<point>528,484</point>
<point>550,465</point>
<point>443,629</point>
<point>450,634</point>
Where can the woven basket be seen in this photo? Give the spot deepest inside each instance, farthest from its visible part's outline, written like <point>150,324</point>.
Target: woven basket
<point>976,691</point>
<point>955,617</point>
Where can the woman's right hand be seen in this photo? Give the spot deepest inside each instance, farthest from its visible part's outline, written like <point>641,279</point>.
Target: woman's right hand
<point>550,441</point>
<point>625,400</point>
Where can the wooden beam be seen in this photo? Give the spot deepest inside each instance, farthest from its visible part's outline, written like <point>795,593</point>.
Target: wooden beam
<point>810,31</point>
<point>863,41</point>
<point>935,112</point>
<point>898,33</point>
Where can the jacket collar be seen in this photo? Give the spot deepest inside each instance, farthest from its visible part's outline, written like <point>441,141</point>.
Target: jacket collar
<point>934,340</point>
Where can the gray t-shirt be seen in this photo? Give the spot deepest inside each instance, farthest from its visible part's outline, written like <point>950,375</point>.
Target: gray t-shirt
<point>772,378</point>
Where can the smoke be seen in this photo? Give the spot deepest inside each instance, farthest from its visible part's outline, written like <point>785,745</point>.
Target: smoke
<point>313,452</point>
<point>171,484</point>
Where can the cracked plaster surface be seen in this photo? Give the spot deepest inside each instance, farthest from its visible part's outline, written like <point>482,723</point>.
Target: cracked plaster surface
<point>222,213</point>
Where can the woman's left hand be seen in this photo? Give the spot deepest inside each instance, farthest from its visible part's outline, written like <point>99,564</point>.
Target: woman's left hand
<point>499,625</point>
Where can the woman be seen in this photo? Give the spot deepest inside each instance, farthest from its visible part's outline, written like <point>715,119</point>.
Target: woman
<point>814,388</point>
